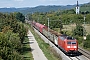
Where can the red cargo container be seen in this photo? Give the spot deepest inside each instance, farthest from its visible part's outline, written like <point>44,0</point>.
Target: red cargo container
<point>39,27</point>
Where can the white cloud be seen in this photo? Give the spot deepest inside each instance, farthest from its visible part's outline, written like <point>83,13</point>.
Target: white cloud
<point>19,0</point>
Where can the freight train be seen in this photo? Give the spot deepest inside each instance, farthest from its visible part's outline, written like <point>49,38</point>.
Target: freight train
<point>66,43</point>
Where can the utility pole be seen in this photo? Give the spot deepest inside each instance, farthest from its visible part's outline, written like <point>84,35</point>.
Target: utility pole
<point>84,25</point>
<point>38,20</point>
<point>61,26</point>
<point>84,34</point>
<point>48,27</point>
<point>48,30</point>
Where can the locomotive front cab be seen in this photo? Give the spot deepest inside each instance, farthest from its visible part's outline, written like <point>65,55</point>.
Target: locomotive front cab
<point>71,45</point>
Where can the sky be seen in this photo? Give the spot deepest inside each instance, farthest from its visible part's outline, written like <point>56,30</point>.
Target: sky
<point>34,3</point>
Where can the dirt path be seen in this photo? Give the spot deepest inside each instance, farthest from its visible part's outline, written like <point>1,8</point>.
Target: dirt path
<point>36,51</point>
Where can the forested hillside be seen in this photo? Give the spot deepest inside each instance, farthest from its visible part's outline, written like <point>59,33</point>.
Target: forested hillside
<point>37,9</point>
<point>26,10</point>
<point>47,8</point>
<point>85,7</point>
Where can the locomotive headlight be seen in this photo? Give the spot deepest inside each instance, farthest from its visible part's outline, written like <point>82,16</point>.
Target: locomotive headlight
<point>75,47</point>
<point>68,46</point>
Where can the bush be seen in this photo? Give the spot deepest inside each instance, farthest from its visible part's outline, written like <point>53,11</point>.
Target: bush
<point>10,46</point>
<point>12,33</point>
<point>79,30</point>
<point>87,42</point>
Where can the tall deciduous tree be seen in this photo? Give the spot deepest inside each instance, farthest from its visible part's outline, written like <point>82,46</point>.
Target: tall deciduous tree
<point>80,30</point>
<point>20,16</point>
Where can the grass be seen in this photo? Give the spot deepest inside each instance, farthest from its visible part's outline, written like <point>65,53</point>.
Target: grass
<point>72,27</point>
<point>87,27</point>
<point>27,50</point>
<point>47,50</point>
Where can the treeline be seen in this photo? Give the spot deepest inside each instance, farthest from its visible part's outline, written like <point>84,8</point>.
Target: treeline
<point>86,5</point>
<point>12,33</point>
<point>66,17</point>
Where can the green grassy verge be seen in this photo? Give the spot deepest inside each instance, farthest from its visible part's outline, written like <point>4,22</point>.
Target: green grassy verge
<point>47,50</point>
<point>27,50</point>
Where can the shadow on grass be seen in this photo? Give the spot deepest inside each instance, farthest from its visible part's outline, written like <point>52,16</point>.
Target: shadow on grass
<point>26,50</point>
<point>28,42</point>
<point>26,58</point>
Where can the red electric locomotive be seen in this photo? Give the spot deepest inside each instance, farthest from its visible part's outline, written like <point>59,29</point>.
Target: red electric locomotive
<point>68,44</point>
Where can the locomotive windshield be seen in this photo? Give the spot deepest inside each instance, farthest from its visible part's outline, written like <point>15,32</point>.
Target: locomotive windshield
<point>63,37</point>
<point>69,42</point>
<point>70,38</point>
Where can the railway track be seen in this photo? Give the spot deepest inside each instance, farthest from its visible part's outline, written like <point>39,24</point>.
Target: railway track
<point>84,52</point>
<point>74,58</point>
<point>84,55</point>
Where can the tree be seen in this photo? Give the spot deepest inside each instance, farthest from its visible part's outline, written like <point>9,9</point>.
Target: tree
<point>79,30</point>
<point>22,31</point>
<point>12,33</point>
<point>20,17</point>
<point>87,42</point>
<point>10,46</point>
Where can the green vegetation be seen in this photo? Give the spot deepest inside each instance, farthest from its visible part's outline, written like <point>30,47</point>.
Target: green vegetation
<point>19,16</point>
<point>27,50</point>
<point>85,7</point>
<point>12,35</point>
<point>78,31</point>
<point>10,46</point>
<point>87,43</point>
<point>47,50</point>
